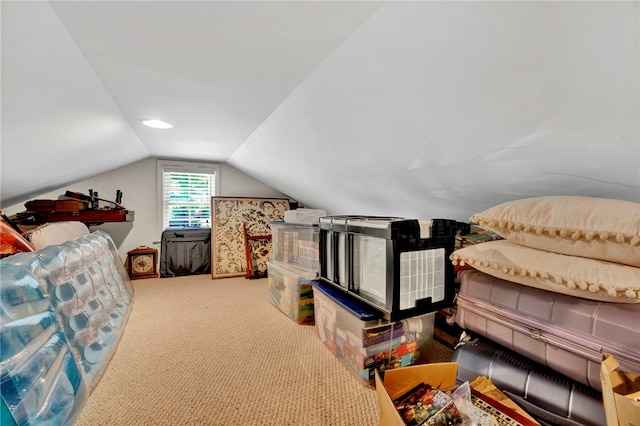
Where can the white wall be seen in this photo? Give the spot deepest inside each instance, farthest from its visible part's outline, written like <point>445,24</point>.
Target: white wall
<point>138,183</point>
<point>443,109</point>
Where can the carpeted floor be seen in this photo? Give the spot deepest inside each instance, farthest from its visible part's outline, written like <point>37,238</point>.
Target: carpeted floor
<point>198,351</point>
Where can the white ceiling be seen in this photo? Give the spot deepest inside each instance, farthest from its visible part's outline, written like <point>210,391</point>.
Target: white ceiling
<point>77,77</point>
<point>408,108</point>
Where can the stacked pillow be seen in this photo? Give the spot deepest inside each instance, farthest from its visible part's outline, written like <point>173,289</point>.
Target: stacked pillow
<point>582,246</point>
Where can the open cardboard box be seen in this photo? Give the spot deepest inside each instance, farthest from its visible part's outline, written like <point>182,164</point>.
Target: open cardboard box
<point>620,393</point>
<point>399,380</point>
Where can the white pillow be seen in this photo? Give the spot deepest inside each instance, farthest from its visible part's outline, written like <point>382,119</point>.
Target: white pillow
<point>56,233</point>
<point>597,228</point>
<point>576,276</point>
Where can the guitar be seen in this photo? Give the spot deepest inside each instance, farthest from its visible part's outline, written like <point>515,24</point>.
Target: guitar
<point>93,199</point>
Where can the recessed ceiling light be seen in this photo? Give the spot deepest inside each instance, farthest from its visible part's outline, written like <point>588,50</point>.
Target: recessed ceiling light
<point>156,124</point>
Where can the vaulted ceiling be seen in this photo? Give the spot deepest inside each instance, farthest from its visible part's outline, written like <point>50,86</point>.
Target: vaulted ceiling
<point>412,108</point>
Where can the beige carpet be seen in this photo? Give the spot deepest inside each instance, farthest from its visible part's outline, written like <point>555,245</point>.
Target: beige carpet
<point>198,351</point>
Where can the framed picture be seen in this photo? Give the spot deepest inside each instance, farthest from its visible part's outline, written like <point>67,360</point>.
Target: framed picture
<point>230,216</point>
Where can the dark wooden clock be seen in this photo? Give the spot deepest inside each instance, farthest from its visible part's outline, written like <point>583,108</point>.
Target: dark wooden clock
<point>142,263</point>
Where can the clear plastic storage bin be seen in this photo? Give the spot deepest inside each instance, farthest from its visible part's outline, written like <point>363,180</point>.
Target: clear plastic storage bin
<point>296,244</point>
<point>291,291</point>
<point>362,339</point>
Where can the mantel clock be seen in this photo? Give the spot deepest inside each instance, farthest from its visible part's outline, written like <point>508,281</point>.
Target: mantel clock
<point>142,263</point>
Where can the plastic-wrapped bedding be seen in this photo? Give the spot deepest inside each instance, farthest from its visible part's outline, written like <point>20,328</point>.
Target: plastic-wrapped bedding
<point>63,310</point>
<point>42,382</point>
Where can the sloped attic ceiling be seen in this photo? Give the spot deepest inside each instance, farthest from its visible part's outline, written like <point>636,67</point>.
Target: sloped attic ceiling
<point>78,76</point>
<point>425,109</point>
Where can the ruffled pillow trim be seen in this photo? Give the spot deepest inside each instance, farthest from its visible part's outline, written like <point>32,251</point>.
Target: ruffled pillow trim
<point>507,269</point>
<point>568,233</point>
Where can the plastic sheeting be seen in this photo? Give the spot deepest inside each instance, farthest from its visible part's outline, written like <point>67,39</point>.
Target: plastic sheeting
<point>63,309</point>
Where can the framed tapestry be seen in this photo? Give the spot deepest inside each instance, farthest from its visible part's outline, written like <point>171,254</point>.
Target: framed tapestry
<point>230,216</point>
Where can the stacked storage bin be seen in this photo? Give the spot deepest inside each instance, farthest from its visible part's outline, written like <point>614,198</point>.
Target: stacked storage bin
<point>361,338</point>
<point>369,267</point>
<point>295,263</point>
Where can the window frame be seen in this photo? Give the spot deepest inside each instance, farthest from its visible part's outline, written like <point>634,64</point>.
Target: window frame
<point>185,167</point>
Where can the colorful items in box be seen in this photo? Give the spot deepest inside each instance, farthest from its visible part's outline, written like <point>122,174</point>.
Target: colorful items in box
<point>364,343</point>
<point>363,359</point>
<point>296,244</point>
<point>291,291</point>
<point>425,404</point>
<point>365,352</point>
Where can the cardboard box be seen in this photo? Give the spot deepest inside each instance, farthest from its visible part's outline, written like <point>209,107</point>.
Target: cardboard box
<point>620,394</point>
<point>400,380</point>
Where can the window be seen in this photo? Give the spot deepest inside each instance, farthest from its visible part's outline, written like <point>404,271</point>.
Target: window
<point>185,193</point>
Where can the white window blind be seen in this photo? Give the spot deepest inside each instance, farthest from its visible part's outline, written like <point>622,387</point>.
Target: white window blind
<point>186,194</point>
